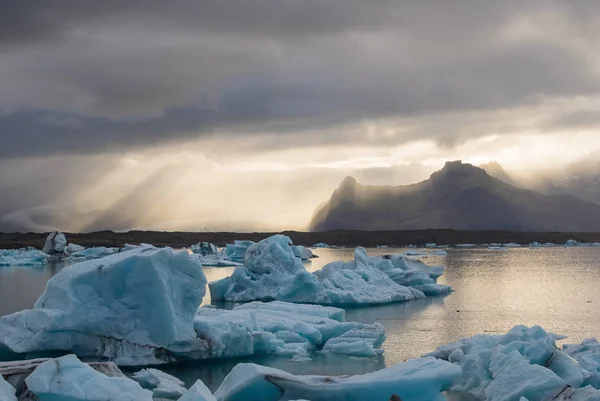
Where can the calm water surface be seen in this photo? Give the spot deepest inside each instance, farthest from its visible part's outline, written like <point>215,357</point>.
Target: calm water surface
<point>556,288</point>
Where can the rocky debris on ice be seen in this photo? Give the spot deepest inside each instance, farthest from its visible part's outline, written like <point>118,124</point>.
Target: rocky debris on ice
<point>23,257</point>
<point>160,383</point>
<point>285,329</point>
<point>135,307</point>
<point>7,392</point>
<point>272,272</point>
<point>55,243</point>
<point>204,248</point>
<point>67,378</point>
<point>524,363</point>
<point>416,380</point>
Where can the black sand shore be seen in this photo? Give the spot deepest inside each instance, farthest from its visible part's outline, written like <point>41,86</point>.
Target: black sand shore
<point>338,238</point>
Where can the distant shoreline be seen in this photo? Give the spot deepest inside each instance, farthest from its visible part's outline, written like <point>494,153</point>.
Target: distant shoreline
<point>336,238</point>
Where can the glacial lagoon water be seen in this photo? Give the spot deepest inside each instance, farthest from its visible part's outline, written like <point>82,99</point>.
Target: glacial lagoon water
<point>556,288</point>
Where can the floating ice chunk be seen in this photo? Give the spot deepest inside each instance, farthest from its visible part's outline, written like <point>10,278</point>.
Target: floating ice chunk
<point>67,378</point>
<point>7,392</point>
<point>302,252</point>
<point>362,342</point>
<point>205,249</point>
<point>55,243</point>
<point>439,252</point>
<point>237,251</point>
<point>22,257</point>
<point>320,245</point>
<point>198,392</point>
<point>572,243</point>
<point>135,307</point>
<point>272,272</point>
<point>511,245</point>
<point>431,245</point>
<point>96,253</point>
<point>416,380</point>
<point>73,248</point>
<point>465,245</point>
<point>413,273</point>
<point>160,383</point>
<point>216,260</point>
<point>412,252</point>
<point>313,310</point>
<point>522,363</point>
<point>280,328</point>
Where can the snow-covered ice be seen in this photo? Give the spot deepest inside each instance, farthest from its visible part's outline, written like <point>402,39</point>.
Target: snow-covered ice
<point>272,272</point>
<point>55,243</point>
<point>68,379</point>
<point>416,380</point>
<point>7,392</point>
<point>160,383</point>
<point>135,307</point>
<point>522,363</point>
<point>283,329</point>
<point>23,257</point>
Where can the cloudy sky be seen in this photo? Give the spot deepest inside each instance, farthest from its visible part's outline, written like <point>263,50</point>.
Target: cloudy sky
<point>240,115</point>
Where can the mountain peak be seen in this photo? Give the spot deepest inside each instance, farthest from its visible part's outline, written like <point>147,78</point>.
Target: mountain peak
<point>456,169</point>
<point>349,181</point>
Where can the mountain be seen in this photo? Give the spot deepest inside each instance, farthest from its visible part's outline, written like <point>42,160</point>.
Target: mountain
<point>495,170</point>
<point>461,197</point>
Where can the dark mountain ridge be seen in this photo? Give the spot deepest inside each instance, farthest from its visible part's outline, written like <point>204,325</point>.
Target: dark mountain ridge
<point>459,196</point>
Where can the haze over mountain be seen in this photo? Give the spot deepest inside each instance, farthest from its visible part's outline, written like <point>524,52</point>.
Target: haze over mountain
<point>459,196</point>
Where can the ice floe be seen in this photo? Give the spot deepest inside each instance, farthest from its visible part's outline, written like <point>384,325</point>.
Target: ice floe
<point>284,329</point>
<point>7,392</point>
<point>160,383</point>
<point>23,257</point>
<point>525,362</point>
<point>272,272</point>
<point>67,378</point>
<point>416,380</point>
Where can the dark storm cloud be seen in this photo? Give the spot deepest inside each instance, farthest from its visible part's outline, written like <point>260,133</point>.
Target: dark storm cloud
<point>105,76</point>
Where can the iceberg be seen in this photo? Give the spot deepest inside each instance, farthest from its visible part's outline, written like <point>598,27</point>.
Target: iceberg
<point>67,378</point>
<point>320,245</point>
<point>216,260</point>
<point>73,248</point>
<point>524,363</point>
<point>416,380</point>
<point>302,252</point>
<point>412,273</point>
<point>55,243</point>
<point>160,383</point>
<point>198,392</point>
<point>93,253</point>
<point>439,252</point>
<point>272,272</point>
<point>135,307</point>
<point>236,252</point>
<point>23,257</point>
<point>204,248</point>
<point>283,329</point>
<point>7,392</point>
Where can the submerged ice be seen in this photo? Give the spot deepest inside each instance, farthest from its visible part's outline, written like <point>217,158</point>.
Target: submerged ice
<point>272,271</point>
